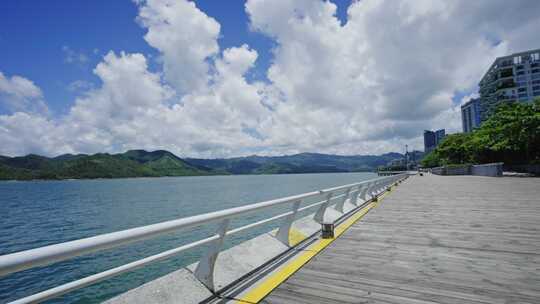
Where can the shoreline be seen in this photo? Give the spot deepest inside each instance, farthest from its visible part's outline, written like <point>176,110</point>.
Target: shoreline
<point>165,176</point>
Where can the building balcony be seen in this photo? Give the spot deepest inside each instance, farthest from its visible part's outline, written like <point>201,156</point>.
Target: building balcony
<point>506,73</point>
<point>505,64</point>
<point>506,85</point>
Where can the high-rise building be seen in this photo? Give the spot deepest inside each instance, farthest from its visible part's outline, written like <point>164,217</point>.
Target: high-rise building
<point>432,139</point>
<point>439,135</point>
<point>510,78</point>
<point>470,115</point>
<point>429,141</point>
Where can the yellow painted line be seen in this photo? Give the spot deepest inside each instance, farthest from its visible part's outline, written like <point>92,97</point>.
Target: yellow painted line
<point>260,291</point>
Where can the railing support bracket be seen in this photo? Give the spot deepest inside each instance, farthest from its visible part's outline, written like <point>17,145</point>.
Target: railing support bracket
<point>283,233</point>
<point>205,269</point>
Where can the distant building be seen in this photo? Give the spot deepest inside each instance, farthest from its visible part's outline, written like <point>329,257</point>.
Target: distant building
<point>470,115</point>
<point>432,139</point>
<point>439,135</point>
<point>429,141</point>
<point>400,162</point>
<point>410,160</point>
<point>510,78</point>
<point>415,156</point>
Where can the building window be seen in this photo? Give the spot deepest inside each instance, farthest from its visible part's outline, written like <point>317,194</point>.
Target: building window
<point>535,71</point>
<point>517,60</point>
<point>536,88</point>
<point>520,67</point>
<point>522,90</point>
<point>536,93</point>
<point>535,76</point>
<point>535,56</point>
<point>521,73</point>
<point>535,82</point>
<point>522,95</point>
<point>521,78</point>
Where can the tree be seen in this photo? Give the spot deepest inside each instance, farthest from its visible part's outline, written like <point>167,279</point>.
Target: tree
<point>431,160</point>
<point>511,135</point>
<point>456,149</point>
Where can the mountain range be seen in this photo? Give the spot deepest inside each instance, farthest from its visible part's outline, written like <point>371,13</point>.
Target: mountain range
<point>140,163</point>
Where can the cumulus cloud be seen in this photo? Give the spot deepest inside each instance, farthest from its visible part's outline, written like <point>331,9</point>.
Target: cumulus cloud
<point>367,85</point>
<point>23,133</point>
<point>18,94</point>
<point>185,37</point>
<point>389,72</point>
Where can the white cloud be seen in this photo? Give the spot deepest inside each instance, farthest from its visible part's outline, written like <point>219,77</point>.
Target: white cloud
<point>185,36</point>
<point>22,133</point>
<point>74,57</point>
<point>80,86</point>
<point>18,94</point>
<point>370,85</point>
<point>133,108</point>
<point>389,72</point>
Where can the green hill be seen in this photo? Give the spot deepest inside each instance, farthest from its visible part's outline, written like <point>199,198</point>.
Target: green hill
<point>135,163</point>
<point>297,163</point>
<point>140,163</point>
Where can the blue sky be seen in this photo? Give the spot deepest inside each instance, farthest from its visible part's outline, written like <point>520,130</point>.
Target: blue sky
<point>228,78</point>
<point>38,33</point>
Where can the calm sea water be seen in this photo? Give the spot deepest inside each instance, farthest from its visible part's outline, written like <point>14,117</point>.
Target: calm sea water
<point>39,213</point>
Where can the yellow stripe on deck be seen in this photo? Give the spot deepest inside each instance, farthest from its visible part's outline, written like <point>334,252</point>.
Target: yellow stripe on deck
<point>257,293</point>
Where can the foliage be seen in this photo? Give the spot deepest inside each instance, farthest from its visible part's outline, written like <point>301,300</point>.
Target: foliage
<point>511,135</point>
<point>431,160</point>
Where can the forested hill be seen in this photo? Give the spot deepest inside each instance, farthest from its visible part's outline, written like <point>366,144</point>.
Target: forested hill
<point>297,163</point>
<point>140,163</point>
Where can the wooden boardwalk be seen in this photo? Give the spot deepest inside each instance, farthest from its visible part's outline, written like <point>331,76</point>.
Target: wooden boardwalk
<point>436,239</point>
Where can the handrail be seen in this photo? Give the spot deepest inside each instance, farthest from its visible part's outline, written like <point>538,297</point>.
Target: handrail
<point>31,258</point>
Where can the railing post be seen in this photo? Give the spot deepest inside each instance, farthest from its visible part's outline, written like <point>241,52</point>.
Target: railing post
<point>365,188</point>
<point>374,190</point>
<point>340,206</point>
<point>205,269</point>
<point>354,199</point>
<point>319,216</point>
<point>283,233</point>
<point>371,189</point>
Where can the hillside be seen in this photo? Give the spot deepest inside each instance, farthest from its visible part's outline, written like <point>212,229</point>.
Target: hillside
<point>140,163</point>
<point>134,163</point>
<point>297,163</point>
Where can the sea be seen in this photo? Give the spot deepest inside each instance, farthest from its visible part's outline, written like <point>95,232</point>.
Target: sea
<point>39,213</point>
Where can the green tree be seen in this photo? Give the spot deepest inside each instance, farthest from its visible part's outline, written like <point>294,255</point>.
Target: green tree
<point>431,160</point>
<point>511,135</point>
<point>455,149</point>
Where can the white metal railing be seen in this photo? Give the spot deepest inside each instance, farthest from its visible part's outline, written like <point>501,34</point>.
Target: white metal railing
<point>204,272</point>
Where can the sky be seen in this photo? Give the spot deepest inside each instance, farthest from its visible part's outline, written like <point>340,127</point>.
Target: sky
<point>231,78</point>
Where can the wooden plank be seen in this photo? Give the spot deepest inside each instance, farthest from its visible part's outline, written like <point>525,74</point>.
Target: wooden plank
<point>436,239</point>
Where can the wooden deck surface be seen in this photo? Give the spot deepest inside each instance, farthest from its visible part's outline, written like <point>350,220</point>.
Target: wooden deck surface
<point>435,239</point>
